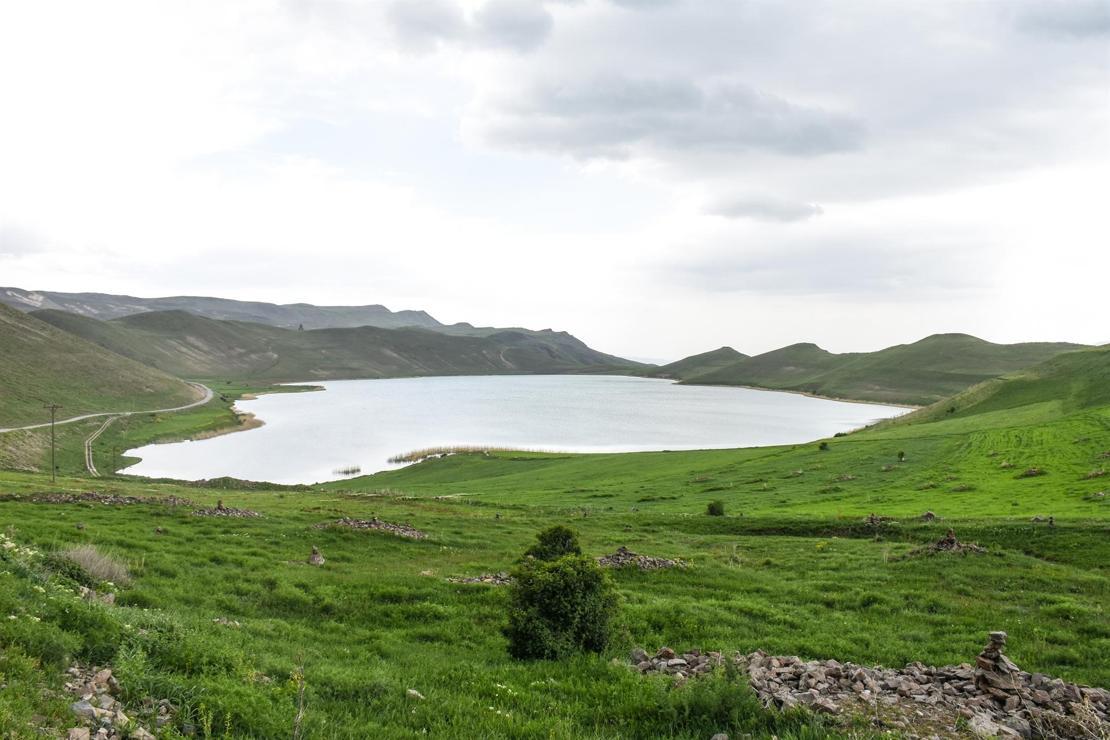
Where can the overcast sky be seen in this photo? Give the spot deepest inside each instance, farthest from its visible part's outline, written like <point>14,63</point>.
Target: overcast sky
<point>659,177</point>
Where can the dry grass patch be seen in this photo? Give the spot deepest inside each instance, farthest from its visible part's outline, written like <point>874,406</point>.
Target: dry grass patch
<point>98,565</point>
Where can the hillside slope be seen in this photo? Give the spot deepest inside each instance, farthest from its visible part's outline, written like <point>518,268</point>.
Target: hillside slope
<point>1065,384</point>
<point>293,315</point>
<point>699,364</point>
<point>40,363</point>
<point>192,346</point>
<point>920,373</point>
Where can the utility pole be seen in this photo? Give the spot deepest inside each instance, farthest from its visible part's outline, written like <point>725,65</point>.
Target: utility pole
<point>53,407</point>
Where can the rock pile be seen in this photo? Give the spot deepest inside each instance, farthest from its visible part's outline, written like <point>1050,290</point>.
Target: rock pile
<point>102,714</point>
<point>993,698</point>
<point>493,579</point>
<point>221,510</point>
<point>91,497</point>
<point>401,530</point>
<point>928,516</point>
<point>1031,473</point>
<point>625,558</point>
<point>666,661</point>
<point>947,544</point>
<point>875,520</point>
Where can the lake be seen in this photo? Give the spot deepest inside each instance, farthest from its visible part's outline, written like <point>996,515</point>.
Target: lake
<point>308,436</point>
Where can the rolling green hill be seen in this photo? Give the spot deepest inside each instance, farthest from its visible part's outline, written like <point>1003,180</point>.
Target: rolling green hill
<point>193,346</point>
<point>39,362</point>
<point>700,364</point>
<point>920,373</point>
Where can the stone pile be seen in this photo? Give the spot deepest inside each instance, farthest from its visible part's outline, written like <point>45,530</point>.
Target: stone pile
<point>91,497</point>
<point>625,558</point>
<point>875,520</point>
<point>493,579</point>
<point>221,510</point>
<point>401,530</point>
<point>667,661</point>
<point>993,698</point>
<point>102,714</point>
<point>948,544</point>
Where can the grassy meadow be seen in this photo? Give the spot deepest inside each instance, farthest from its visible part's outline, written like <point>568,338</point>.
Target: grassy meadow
<point>792,567</point>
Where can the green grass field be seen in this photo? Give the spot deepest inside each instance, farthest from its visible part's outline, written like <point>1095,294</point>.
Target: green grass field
<point>792,568</point>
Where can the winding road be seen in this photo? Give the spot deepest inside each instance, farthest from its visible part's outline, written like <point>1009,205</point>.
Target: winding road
<point>112,416</point>
<point>207,397</point>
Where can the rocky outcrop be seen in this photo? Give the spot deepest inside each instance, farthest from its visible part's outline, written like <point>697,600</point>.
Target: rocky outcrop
<point>401,530</point>
<point>993,698</point>
<point>625,558</point>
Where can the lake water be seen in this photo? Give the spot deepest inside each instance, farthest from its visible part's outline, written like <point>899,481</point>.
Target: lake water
<point>308,436</point>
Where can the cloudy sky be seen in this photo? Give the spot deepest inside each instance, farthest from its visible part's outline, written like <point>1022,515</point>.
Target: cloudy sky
<point>659,177</point>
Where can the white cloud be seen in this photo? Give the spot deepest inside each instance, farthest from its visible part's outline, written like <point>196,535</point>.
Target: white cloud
<point>477,157</point>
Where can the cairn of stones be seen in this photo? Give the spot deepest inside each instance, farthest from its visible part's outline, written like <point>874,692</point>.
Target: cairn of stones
<point>315,558</point>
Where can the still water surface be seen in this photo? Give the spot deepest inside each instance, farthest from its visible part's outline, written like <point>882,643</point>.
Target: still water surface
<point>308,436</point>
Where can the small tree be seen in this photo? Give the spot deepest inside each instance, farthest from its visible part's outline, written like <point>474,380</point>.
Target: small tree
<point>553,543</point>
<point>715,508</point>
<point>823,446</point>
<point>559,607</point>
<point>901,456</point>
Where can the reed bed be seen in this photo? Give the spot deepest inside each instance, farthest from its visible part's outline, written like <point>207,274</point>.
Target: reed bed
<point>430,452</point>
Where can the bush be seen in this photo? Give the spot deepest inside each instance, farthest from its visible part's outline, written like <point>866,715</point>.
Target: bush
<point>715,508</point>
<point>558,608</point>
<point>96,565</point>
<point>554,543</point>
<point>823,446</point>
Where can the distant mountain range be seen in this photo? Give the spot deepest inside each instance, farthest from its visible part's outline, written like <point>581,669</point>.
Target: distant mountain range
<point>918,374</point>
<point>291,316</point>
<point>190,346</point>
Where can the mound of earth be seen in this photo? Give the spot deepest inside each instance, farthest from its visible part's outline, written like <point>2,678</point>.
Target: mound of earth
<point>993,698</point>
<point>401,530</point>
<point>625,558</point>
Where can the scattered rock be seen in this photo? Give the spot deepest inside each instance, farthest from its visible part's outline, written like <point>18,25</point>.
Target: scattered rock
<point>1031,473</point>
<point>493,579</point>
<point>928,516</point>
<point>225,622</point>
<point>315,558</point>
<point>994,697</point>
<point>414,694</point>
<point>100,711</point>
<point>102,597</point>
<point>1094,474</point>
<point>625,558</point>
<point>401,530</point>
<point>874,520</point>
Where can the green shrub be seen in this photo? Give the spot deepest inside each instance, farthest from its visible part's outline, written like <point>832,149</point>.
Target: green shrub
<point>824,446</point>
<point>554,543</point>
<point>715,508</point>
<point>558,608</point>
